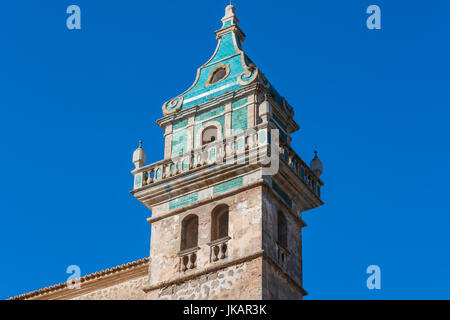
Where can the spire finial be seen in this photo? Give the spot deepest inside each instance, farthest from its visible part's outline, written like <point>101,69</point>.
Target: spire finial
<point>230,12</point>
<point>316,165</point>
<point>139,156</point>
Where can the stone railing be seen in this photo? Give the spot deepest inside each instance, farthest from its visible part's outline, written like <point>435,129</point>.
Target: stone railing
<point>249,144</point>
<point>188,259</point>
<point>227,151</point>
<point>219,249</point>
<point>289,156</point>
<point>282,255</point>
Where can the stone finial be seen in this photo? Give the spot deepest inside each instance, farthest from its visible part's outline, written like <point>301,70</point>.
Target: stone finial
<point>316,165</point>
<point>139,156</point>
<point>230,11</point>
<point>230,17</point>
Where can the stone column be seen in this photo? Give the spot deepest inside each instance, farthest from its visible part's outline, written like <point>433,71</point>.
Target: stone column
<point>191,133</point>
<point>168,142</point>
<point>252,111</point>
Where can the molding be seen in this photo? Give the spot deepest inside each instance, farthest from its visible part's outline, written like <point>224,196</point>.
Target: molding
<point>188,251</point>
<point>206,201</point>
<point>227,194</point>
<point>234,29</point>
<point>227,97</point>
<point>211,269</point>
<point>219,241</point>
<point>219,266</point>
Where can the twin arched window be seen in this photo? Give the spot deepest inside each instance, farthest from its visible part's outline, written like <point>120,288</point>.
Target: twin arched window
<point>219,228</point>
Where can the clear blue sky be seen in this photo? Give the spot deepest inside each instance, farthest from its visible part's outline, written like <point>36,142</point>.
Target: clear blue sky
<point>374,103</point>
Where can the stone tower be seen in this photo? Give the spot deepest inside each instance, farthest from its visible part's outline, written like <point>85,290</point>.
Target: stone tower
<point>227,199</point>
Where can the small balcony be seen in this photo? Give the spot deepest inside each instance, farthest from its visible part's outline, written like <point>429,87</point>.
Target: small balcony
<point>188,259</point>
<point>219,249</point>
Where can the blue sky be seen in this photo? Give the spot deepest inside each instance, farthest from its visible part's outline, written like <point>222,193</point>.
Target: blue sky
<point>374,103</point>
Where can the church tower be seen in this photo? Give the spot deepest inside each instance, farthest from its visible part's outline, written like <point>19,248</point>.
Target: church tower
<point>228,197</point>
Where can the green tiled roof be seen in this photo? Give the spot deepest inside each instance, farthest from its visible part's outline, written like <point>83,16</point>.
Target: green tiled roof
<point>229,53</point>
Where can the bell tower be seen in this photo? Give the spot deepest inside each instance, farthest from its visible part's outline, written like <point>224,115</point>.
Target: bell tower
<point>227,199</point>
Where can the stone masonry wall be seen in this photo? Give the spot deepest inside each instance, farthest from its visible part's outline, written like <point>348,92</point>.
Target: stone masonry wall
<point>245,229</point>
<point>128,290</point>
<point>276,286</point>
<point>293,265</point>
<point>239,282</point>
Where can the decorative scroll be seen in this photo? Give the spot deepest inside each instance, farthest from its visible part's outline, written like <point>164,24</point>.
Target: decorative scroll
<point>248,77</point>
<point>173,106</point>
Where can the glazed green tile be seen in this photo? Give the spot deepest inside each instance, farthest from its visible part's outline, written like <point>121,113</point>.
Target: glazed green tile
<point>210,114</point>
<point>183,201</point>
<point>229,185</point>
<point>180,124</point>
<point>239,103</point>
<point>239,120</point>
<point>179,142</point>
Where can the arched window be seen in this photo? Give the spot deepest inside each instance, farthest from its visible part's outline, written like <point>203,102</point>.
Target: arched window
<point>189,233</point>
<point>219,223</point>
<point>282,230</point>
<point>209,135</point>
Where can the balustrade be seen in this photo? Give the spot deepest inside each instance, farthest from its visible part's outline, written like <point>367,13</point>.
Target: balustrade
<point>249,144</point>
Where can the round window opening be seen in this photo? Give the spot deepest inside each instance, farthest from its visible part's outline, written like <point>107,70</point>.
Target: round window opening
<point>218,74</point>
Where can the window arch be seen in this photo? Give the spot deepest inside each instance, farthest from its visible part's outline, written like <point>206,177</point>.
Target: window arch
<point>189,232</point>
<point>219,223</point>
<point>282,230</point>
<point>209,135</point>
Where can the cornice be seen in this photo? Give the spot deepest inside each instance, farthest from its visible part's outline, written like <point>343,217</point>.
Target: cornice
<point>260,254</point>
<point>211,269</point>
<point>206,201</point>
<point>204,107</point>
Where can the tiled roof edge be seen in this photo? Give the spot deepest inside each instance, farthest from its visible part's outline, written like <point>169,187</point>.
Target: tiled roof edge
<point>86,278</point>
